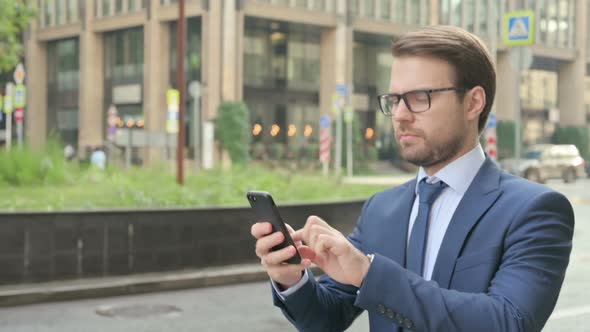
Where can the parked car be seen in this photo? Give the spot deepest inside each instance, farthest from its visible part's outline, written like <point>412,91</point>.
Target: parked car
<point>548,161</point>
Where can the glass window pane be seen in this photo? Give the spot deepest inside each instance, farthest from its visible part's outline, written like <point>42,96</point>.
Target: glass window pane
<point>456,12</point>
<point>369,8</point>
<point>301,3</point>
<point>414,12</point>
<point>470,19</point>
<point>59,11</point>
<point>385,9</point>
<point>563,23</point>
<point>118,6</point>
<point>63,89</point>
<point>444,12</point>
<point>106,7</point>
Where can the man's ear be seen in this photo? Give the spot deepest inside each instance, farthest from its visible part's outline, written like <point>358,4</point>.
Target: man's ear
<point>475,102</point>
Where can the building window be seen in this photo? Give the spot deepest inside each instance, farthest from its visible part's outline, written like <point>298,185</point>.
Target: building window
<point>256,55</point>
<point>399,14</point>
<point>372,65</point>
<point>275,56</point>
<point>414,12</point>
<point>124,61</point>
<point>303,61</point>
<point>385,10</point>
<point>555,24</point>
<point>456,11</point>
<point>565,8</point>
<point>471,14</point>
<point>49,11</point>
<point>73,15</point>
<point>192,60</point>
<point>63,89</point>
<point>106,7</point>
<point>444,12</point>
<point>369,8</point>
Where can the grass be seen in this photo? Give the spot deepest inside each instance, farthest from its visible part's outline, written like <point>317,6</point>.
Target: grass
<point>87,189</point>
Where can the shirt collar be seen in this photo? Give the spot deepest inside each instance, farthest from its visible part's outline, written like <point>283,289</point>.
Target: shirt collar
<point>459,174</point>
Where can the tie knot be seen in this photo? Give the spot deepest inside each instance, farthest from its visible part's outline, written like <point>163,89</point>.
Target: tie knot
<point>427,192</point>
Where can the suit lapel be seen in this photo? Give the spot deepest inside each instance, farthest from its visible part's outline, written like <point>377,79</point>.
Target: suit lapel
<point>481,194</point>
<point>398,219</point>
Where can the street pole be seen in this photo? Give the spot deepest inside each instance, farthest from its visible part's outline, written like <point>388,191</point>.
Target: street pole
<point>19,133</point>
<point>8,131</point>
<point>517,122</point>
<point>194,90</point>
<point>338,157</point>
<point>181,89</point>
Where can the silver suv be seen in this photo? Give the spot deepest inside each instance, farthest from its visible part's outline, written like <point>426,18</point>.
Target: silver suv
<point>548,161</point>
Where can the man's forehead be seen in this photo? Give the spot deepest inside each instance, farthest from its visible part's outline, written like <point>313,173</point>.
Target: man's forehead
<point>410,73</point>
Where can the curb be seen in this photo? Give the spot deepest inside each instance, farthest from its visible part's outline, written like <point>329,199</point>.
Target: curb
<point>13,295</point>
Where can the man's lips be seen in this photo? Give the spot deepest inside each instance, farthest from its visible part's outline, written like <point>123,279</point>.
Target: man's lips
<point>403,137</point>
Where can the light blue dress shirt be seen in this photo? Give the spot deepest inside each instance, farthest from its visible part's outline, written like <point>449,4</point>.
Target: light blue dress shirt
<point>458,176</point>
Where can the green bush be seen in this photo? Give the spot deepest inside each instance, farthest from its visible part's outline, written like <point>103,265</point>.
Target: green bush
<point>258,151</point>
<point>506,136</point>
<point>25,166</point>
<point>572,135</point>
<point>310,152</point>
<point>278,151</point>
<point>233,130</point>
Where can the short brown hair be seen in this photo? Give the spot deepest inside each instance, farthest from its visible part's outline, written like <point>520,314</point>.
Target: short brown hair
<point>465,52</point>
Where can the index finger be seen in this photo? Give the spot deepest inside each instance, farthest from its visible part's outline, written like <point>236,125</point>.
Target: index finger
<point>303,233</point>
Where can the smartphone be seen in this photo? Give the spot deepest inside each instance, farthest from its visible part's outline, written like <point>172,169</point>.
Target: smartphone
<point>265,209</point>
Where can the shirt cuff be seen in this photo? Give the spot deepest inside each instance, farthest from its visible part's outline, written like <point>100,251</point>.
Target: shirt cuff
<point>371,257</point>
<point>283,294</point>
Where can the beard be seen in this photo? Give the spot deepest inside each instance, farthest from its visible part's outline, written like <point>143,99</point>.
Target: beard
<point>429,152</point>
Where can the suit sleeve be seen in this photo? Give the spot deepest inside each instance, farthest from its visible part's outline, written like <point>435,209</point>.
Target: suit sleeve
<point>324,304</point>
<point>522,293</point>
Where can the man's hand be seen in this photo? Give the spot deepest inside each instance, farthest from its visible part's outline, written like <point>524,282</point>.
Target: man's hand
<point>284,274</point>
<point>332,252</point>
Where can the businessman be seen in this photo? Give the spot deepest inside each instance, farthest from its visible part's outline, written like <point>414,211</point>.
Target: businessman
<point>463,247</point>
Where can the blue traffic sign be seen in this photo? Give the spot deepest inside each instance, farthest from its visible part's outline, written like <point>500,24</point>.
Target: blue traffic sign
<point>519,28</point>
<point>342,89</point>
<point>492,121</point>
<point>325,121</point>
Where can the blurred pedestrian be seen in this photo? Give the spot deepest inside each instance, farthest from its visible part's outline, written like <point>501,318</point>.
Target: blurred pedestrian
<point>463,247</point>
<point>69,152</point>
<point>98,159</point>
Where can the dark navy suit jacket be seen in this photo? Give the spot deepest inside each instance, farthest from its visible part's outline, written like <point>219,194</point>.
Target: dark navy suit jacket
<point>500,266</point>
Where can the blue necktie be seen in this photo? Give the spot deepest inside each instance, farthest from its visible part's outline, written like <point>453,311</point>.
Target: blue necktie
<point>427,194</point>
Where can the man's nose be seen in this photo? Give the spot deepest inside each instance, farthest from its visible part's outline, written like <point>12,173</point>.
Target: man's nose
<point>402,112</point>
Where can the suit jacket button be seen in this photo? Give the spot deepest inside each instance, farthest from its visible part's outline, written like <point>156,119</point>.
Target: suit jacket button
<point>381,308</point>
<point>389,313</point>
<point>408,323</point>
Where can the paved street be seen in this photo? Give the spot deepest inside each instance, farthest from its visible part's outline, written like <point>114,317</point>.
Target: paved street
<point>248,307</point>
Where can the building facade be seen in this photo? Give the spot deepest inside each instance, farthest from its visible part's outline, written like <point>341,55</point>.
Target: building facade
<point>284,58</point>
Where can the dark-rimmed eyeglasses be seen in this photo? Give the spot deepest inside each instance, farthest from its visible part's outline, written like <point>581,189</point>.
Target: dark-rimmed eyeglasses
<point>416,101</point>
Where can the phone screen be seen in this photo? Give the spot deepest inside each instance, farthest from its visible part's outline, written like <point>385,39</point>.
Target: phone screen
<point>265,209</point>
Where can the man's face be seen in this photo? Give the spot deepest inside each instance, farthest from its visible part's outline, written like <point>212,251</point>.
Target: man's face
<point>439,135</point>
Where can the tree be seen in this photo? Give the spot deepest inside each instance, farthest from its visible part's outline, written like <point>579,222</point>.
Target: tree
<point>15,16</point>
<point>233,130</point>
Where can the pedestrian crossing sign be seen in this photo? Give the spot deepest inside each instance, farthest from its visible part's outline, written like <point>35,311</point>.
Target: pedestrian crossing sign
<point>519,28</point>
